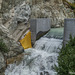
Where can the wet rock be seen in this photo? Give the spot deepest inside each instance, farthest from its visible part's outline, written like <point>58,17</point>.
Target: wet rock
<point>46,73</point>
<point>41,73</point>
<point>2,74</point>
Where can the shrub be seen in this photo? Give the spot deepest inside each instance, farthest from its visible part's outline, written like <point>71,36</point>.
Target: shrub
<point>66,59</point>
<point>3,47</point>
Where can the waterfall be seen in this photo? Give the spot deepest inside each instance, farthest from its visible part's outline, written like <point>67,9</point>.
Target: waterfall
<point>40,60</point>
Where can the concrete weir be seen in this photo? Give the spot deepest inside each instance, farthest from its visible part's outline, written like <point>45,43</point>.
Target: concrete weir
<point>39,27</point>
<point>69,28</point>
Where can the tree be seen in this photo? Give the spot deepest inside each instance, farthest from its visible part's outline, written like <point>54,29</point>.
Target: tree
<point>66,59</point>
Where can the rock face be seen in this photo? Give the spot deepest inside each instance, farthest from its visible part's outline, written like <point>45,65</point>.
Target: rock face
<point>20,13</point>
<point>13,46</point>
<point>13,24</point>
<point>2,61</point>
<point>72,1</point>
<point>54,9</point>
<point>9,8</point>
<point>16,20</point>
<point>15,27</point>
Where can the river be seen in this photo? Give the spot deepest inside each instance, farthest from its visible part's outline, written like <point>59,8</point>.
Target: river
<point>41,58</point>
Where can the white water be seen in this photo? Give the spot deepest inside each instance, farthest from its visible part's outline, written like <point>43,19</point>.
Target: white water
<point>40,61</point>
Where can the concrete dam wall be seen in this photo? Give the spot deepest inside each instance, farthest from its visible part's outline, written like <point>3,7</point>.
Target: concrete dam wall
<point>69,28</point>
<point>39,27</point>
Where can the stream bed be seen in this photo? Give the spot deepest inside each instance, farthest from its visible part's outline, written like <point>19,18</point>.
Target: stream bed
<point>42,58</point>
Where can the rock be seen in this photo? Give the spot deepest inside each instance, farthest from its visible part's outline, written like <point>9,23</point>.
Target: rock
<point>2,61</point>
<point>57,26</point>
<point>17,15</point>
<point>15,24</point>
<point>17,59</point>
<point>22,12</point>
<point>13,46</point>
<point>54,9</point>
<point>72,1</point>
<point>2,73</point>
<point>17,20</point>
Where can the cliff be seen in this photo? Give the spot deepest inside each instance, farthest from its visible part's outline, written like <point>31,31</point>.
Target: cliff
<point>54,9</point>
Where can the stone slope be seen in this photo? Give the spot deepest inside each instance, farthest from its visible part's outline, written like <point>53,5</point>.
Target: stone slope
<point>15,26</point>
<point>17,20</point>
<point>54,9</point>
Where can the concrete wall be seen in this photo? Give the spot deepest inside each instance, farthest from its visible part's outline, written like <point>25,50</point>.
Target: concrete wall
<point>39,27</point>
<point>69,28</point>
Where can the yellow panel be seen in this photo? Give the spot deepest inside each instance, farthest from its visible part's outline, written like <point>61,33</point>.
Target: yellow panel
<point>26,41</point>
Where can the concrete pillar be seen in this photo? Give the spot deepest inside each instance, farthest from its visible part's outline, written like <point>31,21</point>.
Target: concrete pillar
<point>69,28</point>
<point>39,27</point>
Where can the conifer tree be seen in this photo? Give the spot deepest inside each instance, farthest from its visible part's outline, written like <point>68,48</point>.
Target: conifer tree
<point>66,59</point>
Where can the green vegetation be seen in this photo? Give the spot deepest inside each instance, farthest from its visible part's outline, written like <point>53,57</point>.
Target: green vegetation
<point>3,47</point>
<point>66,59</point>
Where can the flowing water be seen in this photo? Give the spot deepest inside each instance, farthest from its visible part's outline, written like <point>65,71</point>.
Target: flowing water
<point>40,59</point>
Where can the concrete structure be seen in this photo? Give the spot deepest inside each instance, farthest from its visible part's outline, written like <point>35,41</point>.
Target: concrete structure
<point>69,28</point>
<point>39,27</point>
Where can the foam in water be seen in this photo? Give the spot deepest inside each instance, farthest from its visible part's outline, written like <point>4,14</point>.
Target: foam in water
<point>40,61</point>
